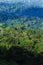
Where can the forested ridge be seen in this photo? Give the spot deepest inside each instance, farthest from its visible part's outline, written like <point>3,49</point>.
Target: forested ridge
<point>21,34</point>
<point>21,46</point>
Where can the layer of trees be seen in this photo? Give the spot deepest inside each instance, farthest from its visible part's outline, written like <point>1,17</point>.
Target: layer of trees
<point>21,46</point>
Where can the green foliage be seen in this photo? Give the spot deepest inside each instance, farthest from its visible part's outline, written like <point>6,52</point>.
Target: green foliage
<point>21,37</point>
<point>25,41</point>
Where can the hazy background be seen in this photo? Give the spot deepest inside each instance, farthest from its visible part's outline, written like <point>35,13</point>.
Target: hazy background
<point>30,2</point>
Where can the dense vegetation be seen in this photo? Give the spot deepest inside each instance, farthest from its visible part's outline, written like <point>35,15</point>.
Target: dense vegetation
<point>32,22</point>
<point>21,34</point>
<point>14,10</point>
<point>21,46</point>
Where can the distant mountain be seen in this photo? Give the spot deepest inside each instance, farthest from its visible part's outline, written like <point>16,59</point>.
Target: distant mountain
<point>33,22</point>
<point>14,10</point>
<point>21,13</point>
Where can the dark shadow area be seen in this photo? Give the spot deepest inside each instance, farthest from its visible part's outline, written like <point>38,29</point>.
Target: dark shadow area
<point>21,56</point>
<point>39,59</point>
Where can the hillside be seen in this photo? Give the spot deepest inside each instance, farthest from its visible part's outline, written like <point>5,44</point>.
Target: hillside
<point>12,11</point>
<point>21,13</point>
<point>21,34</point>
<point>19,46</point>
